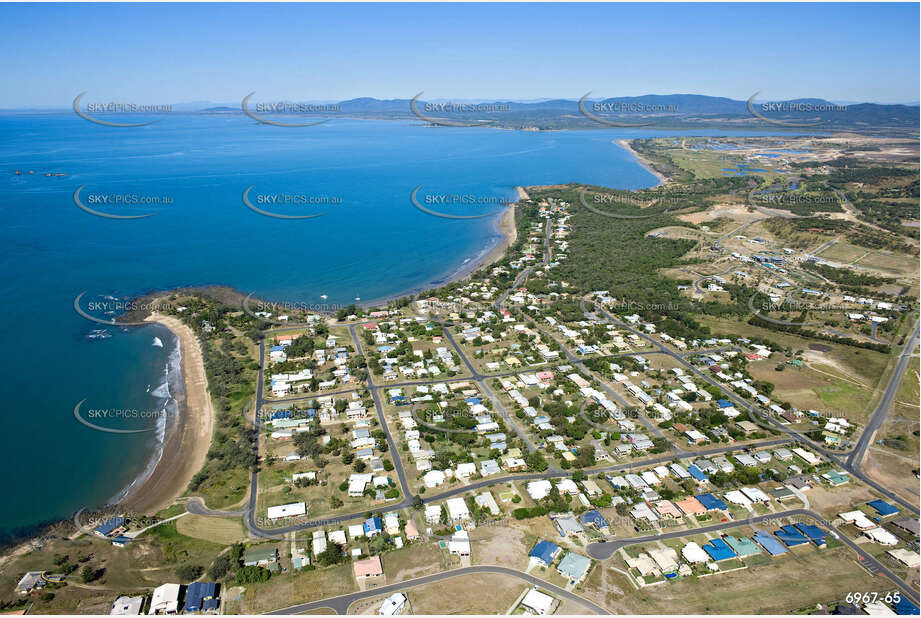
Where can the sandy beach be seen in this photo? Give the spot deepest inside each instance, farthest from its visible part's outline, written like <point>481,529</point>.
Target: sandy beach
<point>625,144</point>
<point>509,232</point>
<point>187,442</point>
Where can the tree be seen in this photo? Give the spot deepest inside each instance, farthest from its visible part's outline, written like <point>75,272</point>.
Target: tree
<point>331,555</point>
<point>335,502</point>
<point>87,574</point>
<point>189,572</point>
<point>252,574</point>
<point>220,567</point>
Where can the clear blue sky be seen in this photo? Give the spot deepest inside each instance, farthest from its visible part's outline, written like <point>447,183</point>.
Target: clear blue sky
<point>157,53</point>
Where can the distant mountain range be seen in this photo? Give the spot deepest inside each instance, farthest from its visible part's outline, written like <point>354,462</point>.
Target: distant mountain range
<point>682,111</point>
<point>664,111</point>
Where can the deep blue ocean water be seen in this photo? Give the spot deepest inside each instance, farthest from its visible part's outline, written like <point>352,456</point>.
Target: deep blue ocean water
<point>372,245</point>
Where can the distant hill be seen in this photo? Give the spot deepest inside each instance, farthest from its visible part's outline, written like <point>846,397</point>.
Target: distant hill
<point>664,111</point>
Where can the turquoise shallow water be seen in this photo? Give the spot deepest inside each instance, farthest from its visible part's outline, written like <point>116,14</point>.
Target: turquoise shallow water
<point>372,244</point>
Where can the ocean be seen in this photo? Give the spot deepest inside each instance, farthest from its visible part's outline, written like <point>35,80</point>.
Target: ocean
<point>370,243</point>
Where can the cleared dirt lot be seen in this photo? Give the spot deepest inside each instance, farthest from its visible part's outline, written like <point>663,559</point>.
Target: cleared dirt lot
<point>894,472</point>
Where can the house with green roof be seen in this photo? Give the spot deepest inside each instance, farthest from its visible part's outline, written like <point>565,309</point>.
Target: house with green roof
<point>744,546</point>
<point>266,556</point>
<point>835,478</point>
<point>574,567</point>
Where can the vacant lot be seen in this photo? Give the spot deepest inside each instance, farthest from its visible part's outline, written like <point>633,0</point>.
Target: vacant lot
<point>895,472</point>
<point>301,587</point>
<point>463,594</point>
<point>891,263</point>
<point>223,530</point>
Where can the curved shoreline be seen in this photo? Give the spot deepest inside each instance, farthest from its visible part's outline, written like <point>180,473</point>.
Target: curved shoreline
<point>504,225</point>
<point>185,445</point>
<point>625,144</point>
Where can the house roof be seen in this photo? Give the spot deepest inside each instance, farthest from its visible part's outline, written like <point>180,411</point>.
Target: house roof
<point>196,593</point>
<point>813,533</point>
<point>127,606</point>
<point>711,502</point>
<point>697,473</point>
<point>769,543</point>
<point>743,546</point>
<point>369,567</point>
<point>538,601</point>
<point>882,507</point>
<point>109,525</point>
<point>908,524</point>
<point>568,525</point>
<point>718,550</point>
<point>665,507</point>
<point>259,554</point>
<point>593,518</point>
<point>32,579</point>
<point>544,551</point>
<point>790,536</point>
<point>574,566</point>
<point>691,506</point>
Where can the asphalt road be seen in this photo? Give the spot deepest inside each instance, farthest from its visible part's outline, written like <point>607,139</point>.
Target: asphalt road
<point>341,603</point>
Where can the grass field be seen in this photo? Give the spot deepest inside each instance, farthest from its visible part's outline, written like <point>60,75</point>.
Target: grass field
<point>891,262</point>
<point>842,252</point>
<point>223,530</point>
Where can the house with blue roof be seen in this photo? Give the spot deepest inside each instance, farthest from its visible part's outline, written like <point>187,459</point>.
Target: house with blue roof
<point>373,526</point>
<point>121,540</point>
<point>711,502</point>
<point>718,550</point>
<point>595,519</point>
<point>883,508</point>
<point>697,473</point>
<point>769,543</point>
<point>790,536</point>
<point>197,593</point>
<point>906,608</point>
<point>813,533</point>
<point>109,526</point>
<point>544,553</point>
<point>724,403</point>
